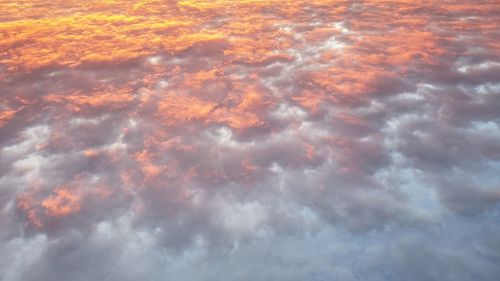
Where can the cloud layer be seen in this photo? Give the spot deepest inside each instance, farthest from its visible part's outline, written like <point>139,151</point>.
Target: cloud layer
<point>249,140</point>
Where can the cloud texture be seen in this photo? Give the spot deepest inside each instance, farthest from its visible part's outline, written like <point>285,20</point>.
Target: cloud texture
<point>249,140</point>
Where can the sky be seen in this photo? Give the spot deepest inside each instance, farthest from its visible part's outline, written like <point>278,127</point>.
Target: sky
<point>251,140</point>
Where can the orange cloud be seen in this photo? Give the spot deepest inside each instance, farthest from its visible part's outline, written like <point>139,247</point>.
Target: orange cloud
<point>5,116</point>
<point>62,203</point>
<point>114,98</point>
<point>27,204</point>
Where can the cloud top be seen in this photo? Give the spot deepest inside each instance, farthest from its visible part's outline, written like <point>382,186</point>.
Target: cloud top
<point>302,140</point>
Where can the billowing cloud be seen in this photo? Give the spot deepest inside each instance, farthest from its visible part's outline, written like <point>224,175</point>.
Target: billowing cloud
<point>249,140</point>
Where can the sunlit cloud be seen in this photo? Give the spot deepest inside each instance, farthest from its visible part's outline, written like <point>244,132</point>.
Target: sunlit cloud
<point>249,140</point>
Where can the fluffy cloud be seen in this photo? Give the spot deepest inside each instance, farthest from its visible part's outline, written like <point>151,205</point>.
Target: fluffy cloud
<point>238,140</point>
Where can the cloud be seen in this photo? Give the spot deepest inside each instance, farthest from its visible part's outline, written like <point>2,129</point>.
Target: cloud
<point>312,140</point>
